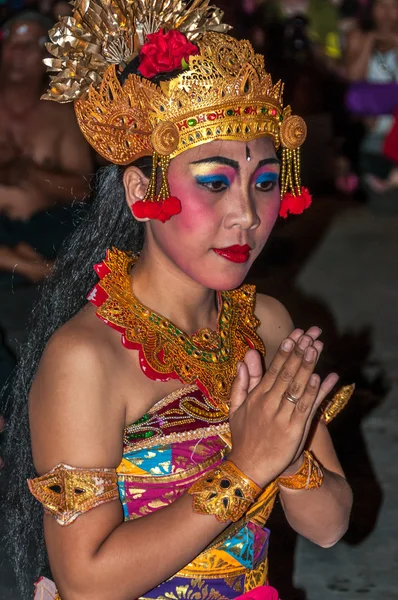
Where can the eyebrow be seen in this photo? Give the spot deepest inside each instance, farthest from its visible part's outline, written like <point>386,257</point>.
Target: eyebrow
<point>268,161</point>
<point>223,160</point>
<point>220,160</point>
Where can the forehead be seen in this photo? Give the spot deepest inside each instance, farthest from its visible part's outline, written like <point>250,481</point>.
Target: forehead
<point>259,149</point>
<point>24,31</point>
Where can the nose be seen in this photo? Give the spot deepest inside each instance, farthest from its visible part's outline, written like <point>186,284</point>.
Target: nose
<point>242,212</point>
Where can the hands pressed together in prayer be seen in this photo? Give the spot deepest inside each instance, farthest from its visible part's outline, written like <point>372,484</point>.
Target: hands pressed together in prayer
<point>269,431</point>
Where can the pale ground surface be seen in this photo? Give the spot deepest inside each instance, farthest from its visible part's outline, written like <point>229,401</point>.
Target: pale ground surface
<point>344,261</point>
<point>355,272</point>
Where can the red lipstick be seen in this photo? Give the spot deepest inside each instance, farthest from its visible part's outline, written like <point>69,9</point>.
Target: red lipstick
<point>236,254</point>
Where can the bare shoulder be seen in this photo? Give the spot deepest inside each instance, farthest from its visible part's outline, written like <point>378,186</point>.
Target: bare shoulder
<point>72,416</point>
<point>275,323</point>
<point>73,346</point>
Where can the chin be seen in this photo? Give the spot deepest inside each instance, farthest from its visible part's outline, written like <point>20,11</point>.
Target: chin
<point>222,280</point>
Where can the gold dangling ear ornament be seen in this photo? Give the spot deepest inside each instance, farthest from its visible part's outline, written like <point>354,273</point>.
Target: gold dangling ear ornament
<point>294,197</point>
<point>160,206</point>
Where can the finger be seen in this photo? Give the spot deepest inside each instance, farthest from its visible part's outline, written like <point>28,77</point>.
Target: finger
<point>291,366</point>
<point>324,389</point>
<point>296,335</point>
<point>313,332</point>
<point>284,352</point>
<point>239,388</point>
<point>254,367</point>
<point>309,402</point>
<point>299,382</point>
<point>327,385</point>
<point>318,347</point>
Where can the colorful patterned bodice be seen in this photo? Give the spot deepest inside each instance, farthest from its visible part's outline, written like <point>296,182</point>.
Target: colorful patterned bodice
<point>165,451</point>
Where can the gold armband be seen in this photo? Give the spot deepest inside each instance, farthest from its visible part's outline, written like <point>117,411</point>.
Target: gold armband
<point>224,492</point>
<point>308,477</point>
<point>66,492</point>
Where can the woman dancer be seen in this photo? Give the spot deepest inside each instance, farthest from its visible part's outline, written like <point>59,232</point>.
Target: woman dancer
<point>158,459</point>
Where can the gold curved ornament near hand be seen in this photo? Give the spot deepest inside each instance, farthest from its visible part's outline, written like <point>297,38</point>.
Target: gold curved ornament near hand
<point>337,403</point>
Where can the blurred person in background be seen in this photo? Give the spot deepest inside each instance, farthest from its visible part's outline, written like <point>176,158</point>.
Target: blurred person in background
<point>313,24</point>
<point>372,56</point>
<point>61,9</point>
<point>45,165</point>
<point>304,43</point>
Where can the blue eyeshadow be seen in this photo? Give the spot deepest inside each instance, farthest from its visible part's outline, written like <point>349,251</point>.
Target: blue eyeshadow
<point>212,179</point>
<point>269,176</point>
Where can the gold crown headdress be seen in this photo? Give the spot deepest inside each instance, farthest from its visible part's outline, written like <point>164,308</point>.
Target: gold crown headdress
<point>221,89</point>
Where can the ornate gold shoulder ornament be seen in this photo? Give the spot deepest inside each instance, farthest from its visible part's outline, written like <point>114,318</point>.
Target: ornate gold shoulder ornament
<point>109,54</point>
<point>67,492</point>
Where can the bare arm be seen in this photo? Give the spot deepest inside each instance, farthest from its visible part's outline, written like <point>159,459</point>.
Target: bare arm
<point>306,509</point>
<point>321,515</point>
<point>359,50</point>
<point>76,419</point>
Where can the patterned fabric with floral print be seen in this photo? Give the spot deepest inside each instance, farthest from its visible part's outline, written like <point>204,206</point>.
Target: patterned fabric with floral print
<point>165,451</point>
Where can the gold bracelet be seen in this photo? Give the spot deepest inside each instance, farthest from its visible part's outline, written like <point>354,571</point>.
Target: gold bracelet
<point>308,477</point>
<point>224,492</point>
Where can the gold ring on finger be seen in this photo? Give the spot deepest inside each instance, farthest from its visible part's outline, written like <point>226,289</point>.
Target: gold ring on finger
<point>290,397</point>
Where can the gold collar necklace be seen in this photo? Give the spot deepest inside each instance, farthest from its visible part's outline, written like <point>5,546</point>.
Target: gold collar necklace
<point>206,358</point>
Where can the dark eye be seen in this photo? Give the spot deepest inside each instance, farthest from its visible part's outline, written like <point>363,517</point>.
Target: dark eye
<point>266,186</point>
<point>213,183</point>
<point>214,186</point>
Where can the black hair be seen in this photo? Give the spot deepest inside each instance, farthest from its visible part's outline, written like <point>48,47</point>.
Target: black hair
<point>108,222</point>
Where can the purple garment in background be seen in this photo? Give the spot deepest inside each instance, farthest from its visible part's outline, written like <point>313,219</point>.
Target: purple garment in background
<point>372,99</point>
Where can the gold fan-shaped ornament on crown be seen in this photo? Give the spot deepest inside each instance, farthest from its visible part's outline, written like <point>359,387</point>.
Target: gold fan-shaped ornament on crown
<point>224,94</point>
<point>104,32</point>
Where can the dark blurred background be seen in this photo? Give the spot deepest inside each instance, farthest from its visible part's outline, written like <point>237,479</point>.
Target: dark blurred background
<point>334,266</point>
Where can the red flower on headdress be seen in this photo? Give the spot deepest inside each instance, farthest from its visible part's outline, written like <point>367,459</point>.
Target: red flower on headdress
<point>295,204</point>
<point>164,52</point>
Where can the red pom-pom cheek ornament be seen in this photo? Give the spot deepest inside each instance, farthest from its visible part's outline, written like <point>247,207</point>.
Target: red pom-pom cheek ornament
<point>171,206</point>
<point>295,202</point>
<point>145,209</point>
<point>160,206</point>
<point>295,199</point>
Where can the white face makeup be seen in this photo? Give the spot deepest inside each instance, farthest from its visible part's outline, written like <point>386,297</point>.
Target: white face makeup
<point>230,201</point>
